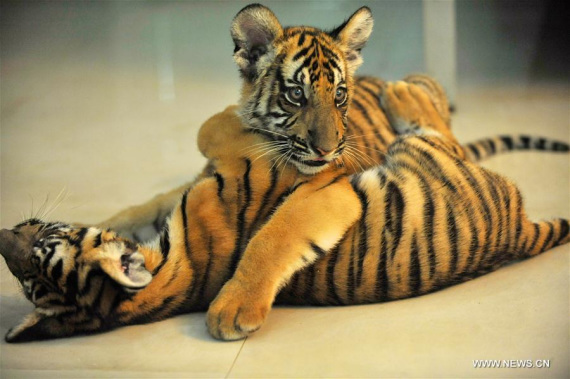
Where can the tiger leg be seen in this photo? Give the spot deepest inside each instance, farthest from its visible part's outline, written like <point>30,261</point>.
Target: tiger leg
<point>143,222</point>
<point>306,226</point>
<point>435,92</point>
<point>411,110</point>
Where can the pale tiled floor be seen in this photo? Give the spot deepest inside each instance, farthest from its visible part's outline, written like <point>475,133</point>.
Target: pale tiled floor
<point>88,105</point>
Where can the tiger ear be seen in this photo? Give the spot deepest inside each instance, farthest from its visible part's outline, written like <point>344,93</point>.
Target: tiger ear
<point>352,36</point>
<point>125,265</point>
<point>37,326</point>
<point>129,271</point>
<point>253,31</point>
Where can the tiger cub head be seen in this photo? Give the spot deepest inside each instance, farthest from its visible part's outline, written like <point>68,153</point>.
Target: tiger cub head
<point>72,275</point>
<point>298,82</point>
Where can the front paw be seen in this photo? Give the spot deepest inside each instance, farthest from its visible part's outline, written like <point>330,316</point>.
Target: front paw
<point>235,312</point>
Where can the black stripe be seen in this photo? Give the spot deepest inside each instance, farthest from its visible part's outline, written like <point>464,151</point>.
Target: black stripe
<point>519,218</point>
<point>91,275</point>
<point>350,274</point>
<point>560,146</point>
<point>309,284</point>
<point>40,292</point>
<point>220,181</point>
<point>57,271</point>
<point>548,239</point>
<point>382,285</point>
<point>77,239</point>
<point>504,213</point>
<point>49,255</point>
<point>203,302</point>
<point>358,105</point>
<point>508,243</point>
<point>265,200</point>
<point>331,287</point>
<point>185,223</point>
<point>540,144</point>
<point>173,274</point>
<point>415,269</point>
<point>394,214</point>
<point>374,95</point>
<point>335,180</point>
<point>241,224</point>
<point>453,236</point>
<point>165,243</point>
<point>508,141</point>
<point>564,229</point>
<point>495,205</point>
<point>302,53</point>
<point>294,284</point>
<point>96,241</point>
<point>157,224</point>
<point>317,250</point>
<point>165,248</point>
<point>481,203</point>
<point>429,224</point>
<point>363,237</point>
<point>428,162</point>
<point>474,151</point>
<point>301,40</point>
<point>492,146</point>
<point>153,314</point>
<point>535,238</point>
<point>474,243</point>
<point>96,304</point>
<point>71,284</point>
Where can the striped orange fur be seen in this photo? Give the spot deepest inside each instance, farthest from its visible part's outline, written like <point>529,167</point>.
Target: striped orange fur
<point>300,91</point>
<point>249,234</point>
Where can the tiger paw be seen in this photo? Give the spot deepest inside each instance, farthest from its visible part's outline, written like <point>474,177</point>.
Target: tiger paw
<point>236,312</point>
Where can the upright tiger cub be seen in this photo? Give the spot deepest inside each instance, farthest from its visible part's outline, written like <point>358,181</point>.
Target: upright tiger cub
<point>299,89</point>
<point>423,220</point>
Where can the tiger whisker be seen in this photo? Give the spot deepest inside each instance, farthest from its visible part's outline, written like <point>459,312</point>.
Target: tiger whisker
<point>277,160</point>
<point>266,150</point>
<point>290,154</point>
<point>41,209</point>
<point>365,156</point>
<point>263,146</point>
<point>348,160</point>
<point>268,131</point>
<point>57,202</point>
<point>265,153</point>
<point>267,143</point>
<point>354,145</point>
<point>356,158</point>
<point>353,136</point>
<point>362,157</point>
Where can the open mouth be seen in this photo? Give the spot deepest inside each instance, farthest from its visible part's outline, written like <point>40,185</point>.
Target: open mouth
<point>315,162</point>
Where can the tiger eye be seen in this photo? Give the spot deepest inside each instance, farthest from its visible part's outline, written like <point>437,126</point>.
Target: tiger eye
<point>295,94</point>
<point>340,95</point>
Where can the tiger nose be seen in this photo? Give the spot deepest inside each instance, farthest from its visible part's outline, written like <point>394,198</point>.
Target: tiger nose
<point>323,152</point>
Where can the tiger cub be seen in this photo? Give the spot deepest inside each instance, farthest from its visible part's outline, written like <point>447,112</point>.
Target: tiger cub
<point>299,89</point>
<point>423,220</point>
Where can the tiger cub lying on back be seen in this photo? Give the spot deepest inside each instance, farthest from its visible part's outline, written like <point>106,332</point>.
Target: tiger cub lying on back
<point>424,220</point>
